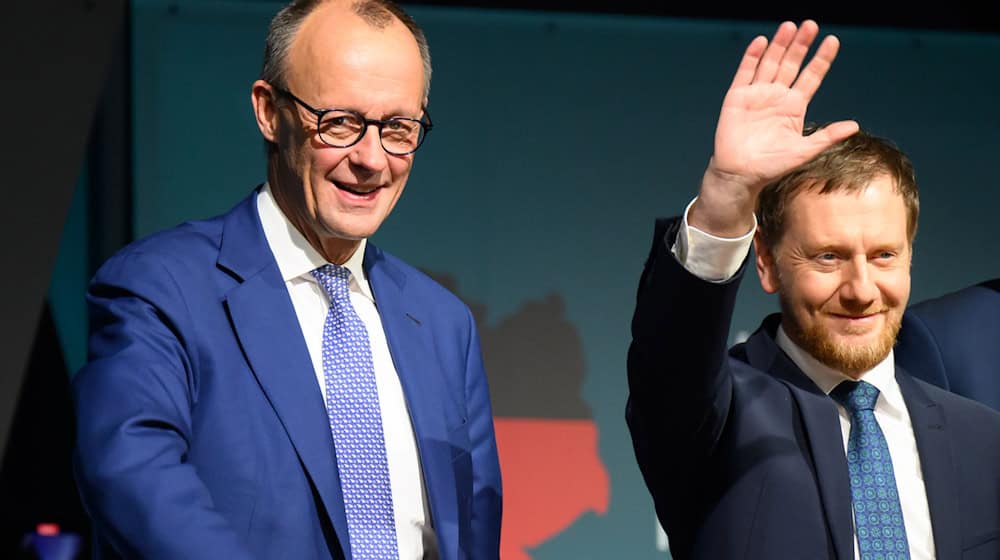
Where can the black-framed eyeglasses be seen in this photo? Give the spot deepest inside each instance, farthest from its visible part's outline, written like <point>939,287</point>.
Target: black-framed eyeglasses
<point>343,128</point>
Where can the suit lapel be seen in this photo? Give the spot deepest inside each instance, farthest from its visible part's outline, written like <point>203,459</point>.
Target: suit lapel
<point>936,463</point>
<point>822,431</point>
<point>270,335</point>
<point>405,322</point>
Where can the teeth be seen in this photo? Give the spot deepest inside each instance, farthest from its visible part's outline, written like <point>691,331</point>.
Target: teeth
<point>353,191</point>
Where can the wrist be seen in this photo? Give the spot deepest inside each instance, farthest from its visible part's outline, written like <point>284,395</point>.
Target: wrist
<point>725,205</point>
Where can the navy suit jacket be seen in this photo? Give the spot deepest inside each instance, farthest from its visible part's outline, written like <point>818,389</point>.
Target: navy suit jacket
<point>202,431</point>
<point>743,453</point>
<point>954,342</point>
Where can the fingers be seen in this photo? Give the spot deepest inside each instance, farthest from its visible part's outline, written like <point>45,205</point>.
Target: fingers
<point>751,59</point>
<point>781,60</point>
<point>812,76</point>
<point>791,62</point>
<point>769,63</point>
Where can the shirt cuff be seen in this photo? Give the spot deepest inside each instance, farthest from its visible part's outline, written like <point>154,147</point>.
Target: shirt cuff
<point>711,258</point>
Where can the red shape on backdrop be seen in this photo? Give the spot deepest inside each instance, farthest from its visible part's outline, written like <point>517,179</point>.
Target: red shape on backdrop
<point>47,529</point>
<point>552,475</point>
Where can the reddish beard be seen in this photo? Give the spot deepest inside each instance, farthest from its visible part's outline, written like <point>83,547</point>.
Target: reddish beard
<point>850,359</point>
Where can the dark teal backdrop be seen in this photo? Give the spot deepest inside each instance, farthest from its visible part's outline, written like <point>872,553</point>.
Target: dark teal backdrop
<point>597,125</point>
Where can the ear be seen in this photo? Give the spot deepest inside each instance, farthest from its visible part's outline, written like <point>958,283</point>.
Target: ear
<point>767,267</point>
<point>265,109</point>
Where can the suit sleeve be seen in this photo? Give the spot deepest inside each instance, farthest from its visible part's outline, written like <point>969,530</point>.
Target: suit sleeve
<point>133,404</point>
<point>680,387</point>
<point>487,502</point>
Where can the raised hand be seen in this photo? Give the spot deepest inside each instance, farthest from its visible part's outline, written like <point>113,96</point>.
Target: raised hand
<point>759,134</point>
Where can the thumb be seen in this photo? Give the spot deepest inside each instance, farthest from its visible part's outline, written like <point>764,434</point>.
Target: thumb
<point>831,134</point>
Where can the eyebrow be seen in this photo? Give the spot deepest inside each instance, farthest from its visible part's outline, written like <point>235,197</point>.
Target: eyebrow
<point>397,112</point>
<point>387,115</point>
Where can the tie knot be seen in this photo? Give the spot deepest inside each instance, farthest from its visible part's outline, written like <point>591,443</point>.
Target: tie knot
<point>334,281</point>
<point>855,395</point>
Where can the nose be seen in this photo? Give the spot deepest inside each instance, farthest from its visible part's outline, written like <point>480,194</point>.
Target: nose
<point>858,290</point>
<point>368,152</point>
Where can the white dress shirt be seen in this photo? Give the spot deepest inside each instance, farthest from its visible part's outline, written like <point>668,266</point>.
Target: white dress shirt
<point>296,259</point>
<point>717,259</point>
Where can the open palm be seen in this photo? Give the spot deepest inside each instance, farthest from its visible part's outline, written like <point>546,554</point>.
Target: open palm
<point>759,134</point>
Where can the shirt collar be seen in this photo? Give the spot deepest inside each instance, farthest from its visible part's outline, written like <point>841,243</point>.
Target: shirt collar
<point>296,258</point>
<point>882,376</point>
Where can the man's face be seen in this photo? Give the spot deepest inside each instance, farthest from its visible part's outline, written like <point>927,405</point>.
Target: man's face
<point>842,272</point>
<point>338,196</point>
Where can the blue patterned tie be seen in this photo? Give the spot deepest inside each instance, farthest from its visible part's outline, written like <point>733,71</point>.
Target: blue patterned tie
<point>356,422</point>
<point>878,519</point>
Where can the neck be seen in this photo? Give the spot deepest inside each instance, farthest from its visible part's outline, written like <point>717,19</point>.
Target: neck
<point>335,250</point>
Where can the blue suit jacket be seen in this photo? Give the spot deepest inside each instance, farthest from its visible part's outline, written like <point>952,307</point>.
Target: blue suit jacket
<point>743,454</point>
<point>954,342</point>
<point>202,432</point>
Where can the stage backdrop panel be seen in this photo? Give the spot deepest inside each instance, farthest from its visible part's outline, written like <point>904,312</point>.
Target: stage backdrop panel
<point>559,138</point>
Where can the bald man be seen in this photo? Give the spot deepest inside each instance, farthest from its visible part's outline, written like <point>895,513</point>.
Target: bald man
<point>269,384</point>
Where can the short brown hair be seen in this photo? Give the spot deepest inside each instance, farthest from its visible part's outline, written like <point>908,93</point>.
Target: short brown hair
<point>849,165</point>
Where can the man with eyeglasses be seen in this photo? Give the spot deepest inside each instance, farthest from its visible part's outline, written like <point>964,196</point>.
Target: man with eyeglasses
<point>269,384</point>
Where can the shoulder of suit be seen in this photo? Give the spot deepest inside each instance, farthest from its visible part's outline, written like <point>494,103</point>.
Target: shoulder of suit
<point>441,287</point>
<point>977,299</point>
<point>956,405</point>
<point>184,248</point>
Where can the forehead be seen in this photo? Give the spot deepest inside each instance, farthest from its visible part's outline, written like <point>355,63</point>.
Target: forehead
<point>339,59</point>
<point>873,215</point>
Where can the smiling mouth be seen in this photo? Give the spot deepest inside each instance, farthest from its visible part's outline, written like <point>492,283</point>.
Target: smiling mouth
<point>861,316</point>
<point>359,190</point>
<point>854,317</point>
<point>856,324</point>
